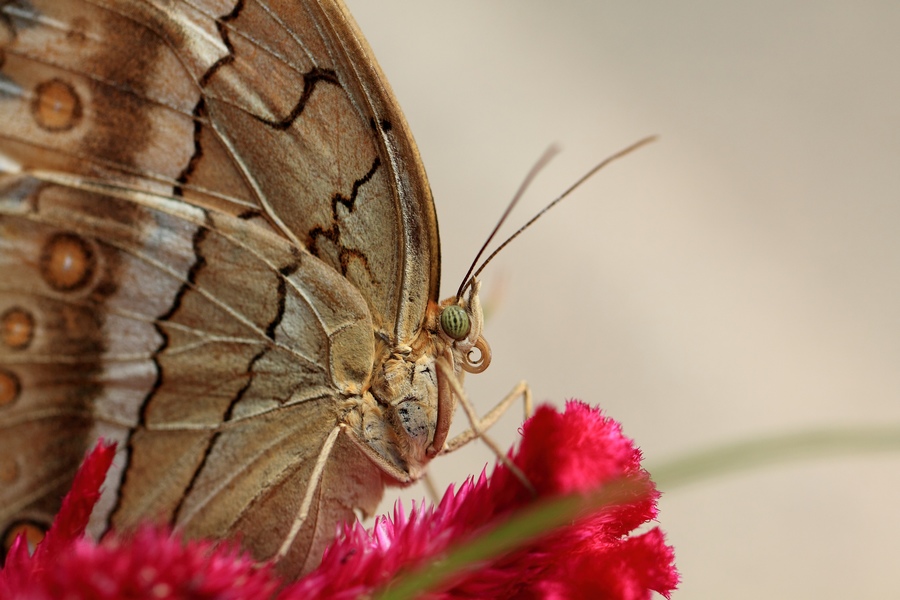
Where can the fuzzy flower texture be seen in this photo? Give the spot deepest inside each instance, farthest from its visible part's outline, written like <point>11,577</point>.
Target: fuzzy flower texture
<point>575,454</point>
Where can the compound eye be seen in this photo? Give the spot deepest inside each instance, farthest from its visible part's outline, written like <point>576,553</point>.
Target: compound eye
<point>455,322</point>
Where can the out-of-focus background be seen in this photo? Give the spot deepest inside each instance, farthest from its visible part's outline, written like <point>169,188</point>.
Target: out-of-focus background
<point>740,277</point>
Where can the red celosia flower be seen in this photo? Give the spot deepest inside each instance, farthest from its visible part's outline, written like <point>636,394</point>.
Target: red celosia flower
<point>577,452</point>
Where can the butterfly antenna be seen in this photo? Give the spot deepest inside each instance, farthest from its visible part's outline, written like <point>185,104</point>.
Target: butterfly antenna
<point>542,162</point>
<point>572,188</point>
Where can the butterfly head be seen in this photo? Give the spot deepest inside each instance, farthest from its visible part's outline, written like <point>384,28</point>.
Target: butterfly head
<point>459,325</point>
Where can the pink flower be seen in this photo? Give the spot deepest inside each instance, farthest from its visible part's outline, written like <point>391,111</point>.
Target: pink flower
<point>576,452</point>
<point>577,455</point>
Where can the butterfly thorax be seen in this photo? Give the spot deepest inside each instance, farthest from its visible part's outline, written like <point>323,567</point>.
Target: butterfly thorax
<point>409,388</point>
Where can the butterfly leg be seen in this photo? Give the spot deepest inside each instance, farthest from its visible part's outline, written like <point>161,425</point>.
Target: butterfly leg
<point>521,390</point>
<point>311,487</point>
<point>476,423</point>
<point>431,488</point>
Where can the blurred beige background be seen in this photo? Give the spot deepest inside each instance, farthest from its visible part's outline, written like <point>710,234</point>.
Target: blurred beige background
<point>738,278</point>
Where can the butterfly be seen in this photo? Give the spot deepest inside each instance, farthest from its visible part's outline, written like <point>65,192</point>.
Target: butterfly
<point>218,248</point>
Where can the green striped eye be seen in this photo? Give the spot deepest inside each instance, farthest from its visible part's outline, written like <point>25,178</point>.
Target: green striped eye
<point>455,321</point>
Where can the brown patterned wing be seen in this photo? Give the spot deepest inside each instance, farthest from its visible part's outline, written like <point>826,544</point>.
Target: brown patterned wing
<point>295,94</point>
<point>206,209</point>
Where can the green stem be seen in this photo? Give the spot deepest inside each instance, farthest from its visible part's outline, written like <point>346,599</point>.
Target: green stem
<point>772,450</point>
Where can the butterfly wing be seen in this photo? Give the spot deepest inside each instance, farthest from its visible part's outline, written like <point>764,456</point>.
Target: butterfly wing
<point>207,208</point>
<point>328,152</point>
